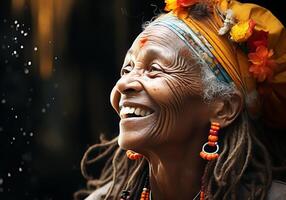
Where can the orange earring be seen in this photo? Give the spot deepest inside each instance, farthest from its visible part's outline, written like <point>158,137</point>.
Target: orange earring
<point>133,155</point>
<point>212,143</point>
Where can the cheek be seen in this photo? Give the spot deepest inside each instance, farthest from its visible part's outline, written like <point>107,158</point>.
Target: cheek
<point>162,91</point>
<point>179,102</point>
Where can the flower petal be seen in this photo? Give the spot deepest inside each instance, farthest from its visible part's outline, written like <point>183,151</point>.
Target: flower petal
<point>242,30</point>
<point>171,5</point>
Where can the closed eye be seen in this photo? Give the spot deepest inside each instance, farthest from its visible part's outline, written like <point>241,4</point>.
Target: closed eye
<point>126,70</point>
<point>155,68</point>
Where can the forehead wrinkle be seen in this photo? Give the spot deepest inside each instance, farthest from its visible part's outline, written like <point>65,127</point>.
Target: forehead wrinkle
<point>154,51</point>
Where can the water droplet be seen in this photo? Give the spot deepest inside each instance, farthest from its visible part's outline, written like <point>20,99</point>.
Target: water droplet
<point>44,110</point>
<point>21,129</point>
<point>14,138</point>
<point>20,169</point>
<point>3,101</point>
<point>22,47</point>
<point>25,34</point>
<point>15,38</point>
<point>26,71</point>
<point>1,181</point>
<point>15,22</point>
<point>24,133</point>
<point>9,175</point>
<point>12,108</point>
<point>14,53</point>
<point>16,116</point>
<point>31,134</point>
<point>56,57</point>
<point>22,32</point>
<point>29,63</point>
<point>35,48</point>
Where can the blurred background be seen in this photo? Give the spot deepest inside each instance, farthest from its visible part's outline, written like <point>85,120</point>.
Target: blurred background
<point>59,60</point>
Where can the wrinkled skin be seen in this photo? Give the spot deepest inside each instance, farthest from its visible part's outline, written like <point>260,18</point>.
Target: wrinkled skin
<point>162,77</point>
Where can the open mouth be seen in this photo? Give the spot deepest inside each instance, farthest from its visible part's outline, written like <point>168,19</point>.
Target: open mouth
<point>129,112</point>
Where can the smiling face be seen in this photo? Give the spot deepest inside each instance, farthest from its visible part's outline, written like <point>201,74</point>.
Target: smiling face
<point>159,94</point>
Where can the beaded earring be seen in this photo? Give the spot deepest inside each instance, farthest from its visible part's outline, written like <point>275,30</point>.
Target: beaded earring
<point>133,155</point>
<point>212,143</point>
<point>145,194</point>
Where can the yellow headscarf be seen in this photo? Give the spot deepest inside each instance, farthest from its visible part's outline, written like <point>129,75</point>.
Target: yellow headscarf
<point>270,104</point>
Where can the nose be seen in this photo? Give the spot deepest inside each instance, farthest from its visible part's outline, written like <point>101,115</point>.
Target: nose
<point>126,85</point>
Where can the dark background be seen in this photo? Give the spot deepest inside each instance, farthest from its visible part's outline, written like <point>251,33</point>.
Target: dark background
<point>47,124</point>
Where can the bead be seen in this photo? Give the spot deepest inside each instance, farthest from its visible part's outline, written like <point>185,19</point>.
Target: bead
<point>215,124</point>
<point>145,194</point>
<point>132,155</point>
<point>213,132</point>
<point>213,138</point>
<point>209,156</point>
<point>203,155</point>
<point>215,128</point>
<point>212,144</point>
<point>202,195</point>
<point>215,156</point>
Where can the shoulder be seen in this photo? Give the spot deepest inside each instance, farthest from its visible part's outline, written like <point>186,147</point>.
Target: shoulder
<point>99,193</point>
<point>277,191</point>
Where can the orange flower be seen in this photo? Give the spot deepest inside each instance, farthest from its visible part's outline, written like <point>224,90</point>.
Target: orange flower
<point>262,66</point>
<point>242,30</point>
<point>186,3</point>
<point>257,39</point>
<point>175,5</point>
<point>171,5</point>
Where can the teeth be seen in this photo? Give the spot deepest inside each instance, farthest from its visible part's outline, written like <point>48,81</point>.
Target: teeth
<point>143,113</point>
<point>132,110</point>
<point>137,111</point>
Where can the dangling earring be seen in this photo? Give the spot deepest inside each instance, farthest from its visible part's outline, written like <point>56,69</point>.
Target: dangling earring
<point>133,155</point>
<point>212,142</point>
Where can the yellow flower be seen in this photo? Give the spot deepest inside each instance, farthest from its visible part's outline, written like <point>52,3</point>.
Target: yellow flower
<point>171,5</point>
<point>242,30</point>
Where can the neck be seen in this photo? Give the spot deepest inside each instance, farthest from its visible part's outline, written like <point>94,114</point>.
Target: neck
<point>176,171</point>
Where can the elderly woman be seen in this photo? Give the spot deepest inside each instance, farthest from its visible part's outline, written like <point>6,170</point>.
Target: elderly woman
<point>197,87</point>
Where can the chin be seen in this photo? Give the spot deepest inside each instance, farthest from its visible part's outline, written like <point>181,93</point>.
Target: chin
<point>132,140</point>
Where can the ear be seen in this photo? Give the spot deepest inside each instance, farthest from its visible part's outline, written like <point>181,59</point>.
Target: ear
<point>226,110</point>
